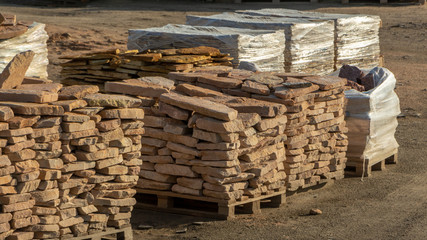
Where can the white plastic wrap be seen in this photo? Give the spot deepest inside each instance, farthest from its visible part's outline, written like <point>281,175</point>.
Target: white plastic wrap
<point>356,36</point>
<point>34,39</point>
<point>309,46</point>
<point>262,47</point>
<point>371,118</point>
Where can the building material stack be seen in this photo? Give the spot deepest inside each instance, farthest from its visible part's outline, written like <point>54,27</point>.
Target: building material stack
<point>70,158</point>
<point>356,36</point>
<point>35,160</point>
<point>19,176</point>
<point>309,46</point>
<point>100,67</point>
<point>262,47</point>
<point>312,104</point>
<point>117,157</point>
<point>79,134</point>
<point>192,145</point>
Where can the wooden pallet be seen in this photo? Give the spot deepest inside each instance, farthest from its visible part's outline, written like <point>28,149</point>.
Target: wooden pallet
<point>277,1</point>
<point>212,207</point>
<point>355,167</point>
<point>54,3</point>
<point>119,234</point>
<point>384,1</point>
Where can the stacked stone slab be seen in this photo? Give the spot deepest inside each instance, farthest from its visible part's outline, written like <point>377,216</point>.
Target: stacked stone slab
<point>47,148</point>
<point>79,134</point>
<point>31,157</point>
<point>99,67</point>
<point>328,135</point>
<point>19,177</point>
<point>312,156</point>
<point>207,143</point>
<point>68,166</point>
<point>117,158</point>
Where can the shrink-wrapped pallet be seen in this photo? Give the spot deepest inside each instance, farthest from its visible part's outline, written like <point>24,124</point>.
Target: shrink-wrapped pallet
<point>34,39</point>
<point>262,47</point>
<point>309,46</point>
<point>356,36</point>
<point>372,119</point>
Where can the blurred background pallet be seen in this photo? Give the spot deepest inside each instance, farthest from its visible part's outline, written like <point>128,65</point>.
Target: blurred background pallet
<point>52,3</point>
<point>320,1</point>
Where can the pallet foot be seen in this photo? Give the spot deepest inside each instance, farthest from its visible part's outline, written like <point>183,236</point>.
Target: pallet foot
<point>252,208</point>
<point>278,201</point>
<point>164,202</point>
<point>392,159</point>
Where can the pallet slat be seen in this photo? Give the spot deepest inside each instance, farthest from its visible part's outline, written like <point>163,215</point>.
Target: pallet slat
<point>120,234</point>
<point>224,209</point>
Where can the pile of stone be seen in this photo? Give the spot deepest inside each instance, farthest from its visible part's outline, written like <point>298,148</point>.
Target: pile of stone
<point>16,37</point>
<point>309,45</point>
<point>356,36</point>
<point>71,157</point>
<point>209,144</point>
<point>303,113</point>
<point>315,128</point>
<point>100,67</point>
<point>261,47</point>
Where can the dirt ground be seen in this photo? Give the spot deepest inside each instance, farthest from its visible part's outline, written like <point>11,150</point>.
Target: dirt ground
<point>390,205</point>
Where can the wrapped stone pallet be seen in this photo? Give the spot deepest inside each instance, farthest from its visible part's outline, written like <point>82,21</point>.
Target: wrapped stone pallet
<point>356,36</point>
<point>262,47</point>
<point>309,46</point>
<point>34,39</point>
<point>372,121</point>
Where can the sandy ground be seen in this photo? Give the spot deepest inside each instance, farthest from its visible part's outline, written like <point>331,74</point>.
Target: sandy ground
<point>390,205</point>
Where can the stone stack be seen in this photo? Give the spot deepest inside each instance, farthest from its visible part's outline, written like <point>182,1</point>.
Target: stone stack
<point>33,148</point>
<point>306,144</point>
<point>207,143</point>
<point>326,118</point>
<point>47,131</point>
<point>100,67</point>
<point>117,158</point>
<point>79,134</point>
<point>19,177</point>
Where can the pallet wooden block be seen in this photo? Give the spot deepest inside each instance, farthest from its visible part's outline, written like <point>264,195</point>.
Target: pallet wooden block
<point>358,169</point>
<point>220,209</point>
<point>275,1</point>
<point>120,234</point>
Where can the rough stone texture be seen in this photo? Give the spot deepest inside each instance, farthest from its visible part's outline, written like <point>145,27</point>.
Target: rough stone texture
<point>201,106</point>
<point>13,74</point>
<point>48,87</point>
<point>6,113</point>
<point>34,108</point>
<point>136,87</point>
<point>111,100</point>
<point>77,91</point>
